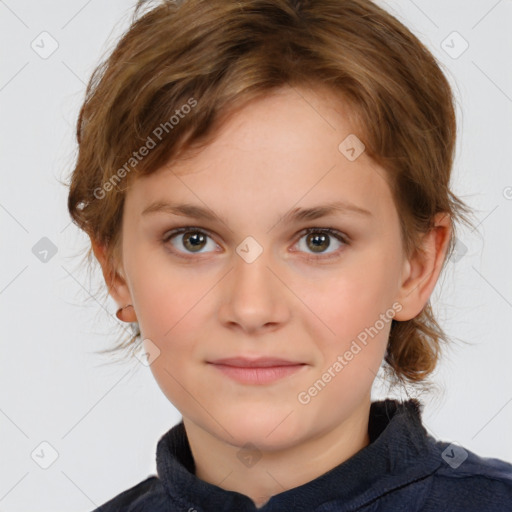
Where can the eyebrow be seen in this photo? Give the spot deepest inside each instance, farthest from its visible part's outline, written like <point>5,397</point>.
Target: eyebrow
<point>294,215</point>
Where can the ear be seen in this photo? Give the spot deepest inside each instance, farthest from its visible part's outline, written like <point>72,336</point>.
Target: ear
<point>116,283</point>
<point>421,272</point>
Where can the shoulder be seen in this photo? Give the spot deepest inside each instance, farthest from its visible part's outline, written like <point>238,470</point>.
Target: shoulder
<point>146,495</point>
<point>469,482</point>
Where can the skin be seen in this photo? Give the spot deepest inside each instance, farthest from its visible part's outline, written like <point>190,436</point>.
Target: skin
<point>277,153</point>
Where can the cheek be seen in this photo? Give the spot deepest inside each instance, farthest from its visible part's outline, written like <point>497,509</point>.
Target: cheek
<point>351,317</point>
<point>170,310</point>
<point>346,303</point>
<point>167,296</point>
<point>356,316</point>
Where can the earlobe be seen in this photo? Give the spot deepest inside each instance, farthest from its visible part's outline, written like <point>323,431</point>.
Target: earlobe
<point>422,271</point>
<point>116,284</point>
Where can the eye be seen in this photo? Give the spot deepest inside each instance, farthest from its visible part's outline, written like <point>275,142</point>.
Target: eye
<point>193,239</point>
<point>318,240</point>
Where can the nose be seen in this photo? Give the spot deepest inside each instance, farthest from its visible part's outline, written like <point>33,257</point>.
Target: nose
<point>254,296</point>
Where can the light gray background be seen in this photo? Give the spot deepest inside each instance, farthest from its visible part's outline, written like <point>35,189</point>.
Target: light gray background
<point>104,421</point>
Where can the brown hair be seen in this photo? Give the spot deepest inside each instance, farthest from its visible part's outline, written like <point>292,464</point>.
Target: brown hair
<point>183,66</point>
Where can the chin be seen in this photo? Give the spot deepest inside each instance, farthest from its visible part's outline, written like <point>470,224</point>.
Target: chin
<point>268,431</point>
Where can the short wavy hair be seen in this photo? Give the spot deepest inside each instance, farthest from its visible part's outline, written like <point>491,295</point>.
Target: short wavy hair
<point>222,54</point>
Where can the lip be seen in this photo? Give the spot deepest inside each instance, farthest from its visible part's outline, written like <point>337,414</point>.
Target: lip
<point>258,362</point>
<point>258,371</point>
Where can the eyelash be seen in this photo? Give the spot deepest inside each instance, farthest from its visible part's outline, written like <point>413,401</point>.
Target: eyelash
<point>329,231</point>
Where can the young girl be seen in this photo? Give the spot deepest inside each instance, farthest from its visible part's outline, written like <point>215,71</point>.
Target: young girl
<point>266,187</point>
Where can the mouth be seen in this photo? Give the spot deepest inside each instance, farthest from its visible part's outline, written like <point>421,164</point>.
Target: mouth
<point>257,371</point>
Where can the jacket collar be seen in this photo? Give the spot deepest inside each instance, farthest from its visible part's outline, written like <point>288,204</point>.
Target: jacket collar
<point>400,451</point>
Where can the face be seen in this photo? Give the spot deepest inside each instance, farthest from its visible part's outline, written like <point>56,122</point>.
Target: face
<point>260,279</point>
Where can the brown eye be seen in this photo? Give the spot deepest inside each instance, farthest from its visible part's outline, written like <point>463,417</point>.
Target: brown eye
<point>194,240</point>
<point>318,240</point>
<point>188,240</point>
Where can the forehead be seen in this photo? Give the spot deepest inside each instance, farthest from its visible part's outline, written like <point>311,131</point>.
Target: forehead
<point>280,151</point>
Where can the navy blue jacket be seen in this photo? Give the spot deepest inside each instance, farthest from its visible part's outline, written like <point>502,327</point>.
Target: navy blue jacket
<point>402,469</point>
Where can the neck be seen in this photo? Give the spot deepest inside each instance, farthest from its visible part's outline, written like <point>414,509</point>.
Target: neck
<point>217,461</point>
